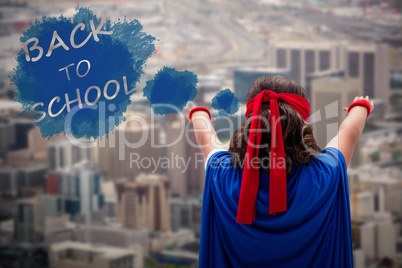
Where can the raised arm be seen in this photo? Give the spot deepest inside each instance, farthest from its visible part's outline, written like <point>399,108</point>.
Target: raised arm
<point>205,133</point>
<point>350,130</point>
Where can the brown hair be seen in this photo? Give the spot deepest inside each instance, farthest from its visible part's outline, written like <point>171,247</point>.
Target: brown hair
<point>300,145</point>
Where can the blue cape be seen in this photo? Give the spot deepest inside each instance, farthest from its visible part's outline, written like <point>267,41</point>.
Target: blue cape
<point>315,231</point>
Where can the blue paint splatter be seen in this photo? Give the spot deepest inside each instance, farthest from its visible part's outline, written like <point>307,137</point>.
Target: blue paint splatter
<point>170,90</point>
<point>123,53</point>
<point>226,102</point>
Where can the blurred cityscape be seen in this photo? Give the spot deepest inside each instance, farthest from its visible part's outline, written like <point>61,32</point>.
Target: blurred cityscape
<point>64,206</point>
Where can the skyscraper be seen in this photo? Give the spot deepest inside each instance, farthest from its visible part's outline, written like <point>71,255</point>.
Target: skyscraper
<point>303,58</point>
<point>80,187</point>
<point>370,64</point>
<point>185,178</point>
<point>144,203</point>
<point>177,143</point>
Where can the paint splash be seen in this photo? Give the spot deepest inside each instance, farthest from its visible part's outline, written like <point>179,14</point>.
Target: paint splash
<point>170,90</point>
<point>226,102</point>
<point>123,53</point>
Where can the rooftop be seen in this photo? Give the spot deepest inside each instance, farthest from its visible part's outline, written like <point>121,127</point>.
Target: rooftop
<point>106,251</point>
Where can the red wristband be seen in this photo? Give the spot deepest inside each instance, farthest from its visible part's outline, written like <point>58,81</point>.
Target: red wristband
<point>198,109</point>
<point>364,103</point>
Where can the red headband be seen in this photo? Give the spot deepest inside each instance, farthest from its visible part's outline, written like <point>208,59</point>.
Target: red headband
<point>250,180</point>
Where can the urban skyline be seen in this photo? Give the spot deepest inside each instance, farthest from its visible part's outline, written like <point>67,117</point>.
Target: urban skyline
<point>62,205</point>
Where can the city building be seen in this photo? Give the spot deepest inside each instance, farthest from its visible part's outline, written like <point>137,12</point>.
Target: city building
<point>366,205</point>
<point>8,182</point>
<point>176,144</point>
<point>383,181</point>
<point>62,233</point>
<point>328,96</point>
<point>22,128</point>
<point>178,257</point>
<point>109,235</point>
<point>381,145</point>
<point>144,203</point>
<point>186,213</point>
<point>358,258</point>
<point>20,158</point>
<point>375,200</point>
<point>368,62</point>
<point>74,254</point>
<point>304,58</point>
<point>52,184</point>
<point>109,190</point>
<point>38,145</point>
<point>378,239</point>
<point>114,235</point>
<point>14,133</point>
<point>6,232</point>
<point>244,77</point>
<point>120,154</point>
<point>8,107</point>
<point>186,178</point>
<point>7,136</point>
<point>80,186</point>
<point>21,182</point>
<point>320,74</point>
<point>32,176</point>
<point>110,206</point>
<point>37,215</point>
<point>62,154</point>
<point>207,85</point>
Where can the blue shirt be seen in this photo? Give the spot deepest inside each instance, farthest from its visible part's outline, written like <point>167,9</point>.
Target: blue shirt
<point>315,231</point>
